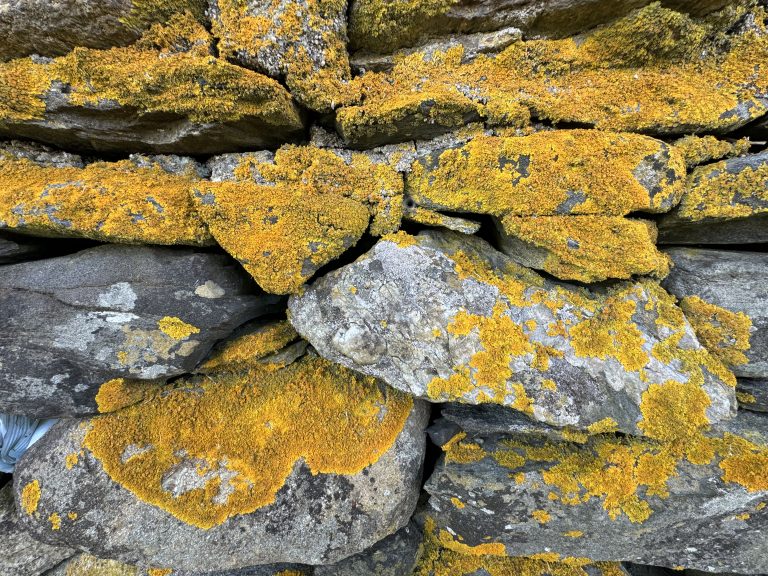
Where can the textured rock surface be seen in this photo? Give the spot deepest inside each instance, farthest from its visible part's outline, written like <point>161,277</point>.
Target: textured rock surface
<point>317,492</point>
<point>71,323</point>
<point>734,280</point>
<point>20,554</point>
<point>724,203</point>
<point>753,394</point>
<point>690,500</point>
<point>447,317</point>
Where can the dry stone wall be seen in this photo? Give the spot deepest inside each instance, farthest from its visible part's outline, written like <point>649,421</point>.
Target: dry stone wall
<point>383,288</point>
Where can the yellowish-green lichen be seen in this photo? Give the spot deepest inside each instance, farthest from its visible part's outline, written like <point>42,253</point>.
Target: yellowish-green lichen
<point>87,565</point>
<point>176,328</point>
<point>119,393</point>
<point>723,332</point>
<point>30,497</point>
<point>702,149</point>
<point>147,12</point>
<point>242,351</point>
<point>240,432</point>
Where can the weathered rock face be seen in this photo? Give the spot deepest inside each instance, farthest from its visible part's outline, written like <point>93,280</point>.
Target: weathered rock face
<point>724,203</point>
<point>52,29</point>
<point>20,554</point>
<point>736,281</point>
<point>690,499</point>
<point>446,317</point>
<point>307,463</point>
<point>74,322</point>
<point>753,394</point>
<point>166,93</point>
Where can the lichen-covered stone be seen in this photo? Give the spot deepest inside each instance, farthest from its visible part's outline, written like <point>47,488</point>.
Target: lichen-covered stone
<point>165,93</point>
<point>284,216</point>
<point>74,322</point>
<point>563,172</point>
<point>583,248</point>
<point>302,41</point>
<point>752,394</point>
<point>447,318</point>
<point>309,463</point>
<point>656,71</point>
<point>724,203</point>
<point>685,497</point>
<point>703,149</point>
<point>736,281</point>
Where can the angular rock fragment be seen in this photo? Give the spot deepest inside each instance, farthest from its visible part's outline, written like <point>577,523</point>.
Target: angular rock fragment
<point>284,216</point>
<point>752,394</point>
<point>733,280</point>
<point>20,554</point>
<point>71,323</point>
<point>724,203</point>
<point>54,28</point>
<point>166,93</point>
<point>703,149</point>
<point>302,42</point>
<point>431,218</point>
<point>310,463</point>
<point>683,497</point>
<point>699,77</point>
<point>86,565</point>
<point>564,172</point>
<point>445,317</point>
<point>583,248</point>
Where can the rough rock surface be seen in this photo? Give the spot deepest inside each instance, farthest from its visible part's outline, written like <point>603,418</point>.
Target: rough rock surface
<point>311,461</point>
<point>752,394</point>
<point>71,323</point>
<point>20,554</point>
<point>724,203</point>
<point>446,317</point>
<point>691,499</point>
<point>734,280</point>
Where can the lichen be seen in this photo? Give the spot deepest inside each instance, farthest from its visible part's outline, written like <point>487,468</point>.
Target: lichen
<point>55,521</point>
<point>119,393</point>
<point>241,351</point>
<point>147,12</point>
<point>87,565</point>
<point>30,497</point>
<point>240,432</point>
<point>723,332</point>
<point>702,149</point>
<point>176,328</point>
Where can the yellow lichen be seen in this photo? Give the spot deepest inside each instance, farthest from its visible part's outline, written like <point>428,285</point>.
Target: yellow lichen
<point>72,516</point>
<point>70,460</point>
<point>30,497</point>
<point>87,565</point>
<point>121,392</point>
<point>724,333</point>
<point>159,571</point>
<point>701,149</point>
<point>458,503</point>
<point>745,398</point>
<point>146,12</point>
<point>603,426</point>
<point>55,521</point>
<point>541,516</point>
<point>240,433</point>
<point>176,328</point>
<point>573,534</point>
<point>240,352</point>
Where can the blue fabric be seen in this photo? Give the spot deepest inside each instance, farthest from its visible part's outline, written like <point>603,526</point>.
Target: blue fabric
<point>17,433</point>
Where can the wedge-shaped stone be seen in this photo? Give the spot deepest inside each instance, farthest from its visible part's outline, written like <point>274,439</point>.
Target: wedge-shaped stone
<point>724,203</point>
<point>690,82</point>
<point>302,42</point>
<point>448,318</point>
<point>737,282</point>
<point>310,463</point>
<point>550,173</point>
<point>584,248</point>
<point>166,93</point>
<point>284,216</point>
<point>71,323</point>
<point>683,497</point>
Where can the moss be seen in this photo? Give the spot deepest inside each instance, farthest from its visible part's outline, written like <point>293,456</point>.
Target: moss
<point>240,352</point>
<point>112,201</point>
<point>169,70</point>
<point>30,497</point>
<point>591,248</point>
<point>724,333</point>
<point>702,149</point>
<point>240,431</point>
<point>548,173</point>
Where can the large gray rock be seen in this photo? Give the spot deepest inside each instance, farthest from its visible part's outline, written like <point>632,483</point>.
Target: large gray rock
<point>446,317</point>
<point>724,203</point>
<point>20,554</point>
<point>298,471</point>
<point>735,280</point>
<point>73,322</point>
<point>693,501</point>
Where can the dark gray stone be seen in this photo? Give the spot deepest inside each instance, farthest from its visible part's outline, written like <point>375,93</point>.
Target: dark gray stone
<point>755,391</point>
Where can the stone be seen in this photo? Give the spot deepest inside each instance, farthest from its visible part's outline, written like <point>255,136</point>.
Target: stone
<point>20,554</point>
<point>311,463</point>
<point>445,317</point>
<point>752,394</point>
<point>165,93</point>
<point>724,203</point>
<point>704,149</point>
<point>74,322</point>
<point>53,29</point>
<point>692,499</point>
<point>734,280</point>
<point>86,565</point>
<point>300,41</point>
<point>583,248</point>
<point>14,249</point>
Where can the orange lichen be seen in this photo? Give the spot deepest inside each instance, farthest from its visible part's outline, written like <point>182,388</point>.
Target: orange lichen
<point>70,460</point>
<point>240,433</point>
<point>30,497</point>
<point>146,12</point>
<point>240,352</point>
<point>86,565</point>
<point>159,571</point>
<point>541,516</point>
<point>701,149</point>
<point>55,521</point>
<point>119,393</point>
<point>573,534</point>
<point>724,333</point>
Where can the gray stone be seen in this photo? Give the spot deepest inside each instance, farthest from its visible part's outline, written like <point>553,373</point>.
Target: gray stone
<point>20,554</point>
<point>596,499</point>
<point>14,249</point>
<point>423,313</point>
<point>735,280</point>
<point>753,394</point>
<point>73,322</point>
